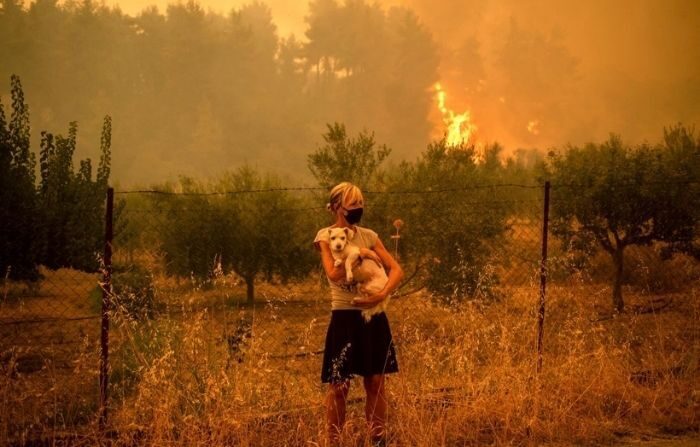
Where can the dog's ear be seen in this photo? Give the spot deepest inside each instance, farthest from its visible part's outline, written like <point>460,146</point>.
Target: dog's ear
<point>349,233</point>
<point>329,233</point>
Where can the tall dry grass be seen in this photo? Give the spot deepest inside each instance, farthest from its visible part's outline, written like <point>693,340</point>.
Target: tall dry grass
<point>467,372</point>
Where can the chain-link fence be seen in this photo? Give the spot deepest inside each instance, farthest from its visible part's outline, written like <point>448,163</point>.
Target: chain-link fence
<point>227,288</point>
<point>49,353</point>
<point>242,265</point>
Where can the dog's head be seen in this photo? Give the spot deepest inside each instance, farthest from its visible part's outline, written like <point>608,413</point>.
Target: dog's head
<point>339,238</point>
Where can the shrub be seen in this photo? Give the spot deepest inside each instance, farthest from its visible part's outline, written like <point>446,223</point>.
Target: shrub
<point>134,293</point>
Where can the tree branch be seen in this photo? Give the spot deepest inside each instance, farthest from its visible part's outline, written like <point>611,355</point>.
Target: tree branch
<point>601,236</point>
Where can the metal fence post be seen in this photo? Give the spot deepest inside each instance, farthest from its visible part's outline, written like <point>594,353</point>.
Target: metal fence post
<point>543,276</point>
<point>106,299</point>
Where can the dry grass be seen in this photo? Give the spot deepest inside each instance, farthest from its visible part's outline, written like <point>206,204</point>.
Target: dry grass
<point>467,373</point>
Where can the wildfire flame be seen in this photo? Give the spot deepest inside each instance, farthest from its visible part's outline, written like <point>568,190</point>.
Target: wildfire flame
<point>460,129</point>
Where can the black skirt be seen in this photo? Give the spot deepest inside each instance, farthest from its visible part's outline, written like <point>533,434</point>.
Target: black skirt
<point>355,347</point>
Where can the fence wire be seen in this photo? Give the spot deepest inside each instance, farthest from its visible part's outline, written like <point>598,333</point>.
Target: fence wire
<point>230,284</point>
<point>49,352</point>
<point>180,266</point>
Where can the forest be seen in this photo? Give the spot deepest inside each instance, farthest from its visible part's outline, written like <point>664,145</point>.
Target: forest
<point>196,90</point>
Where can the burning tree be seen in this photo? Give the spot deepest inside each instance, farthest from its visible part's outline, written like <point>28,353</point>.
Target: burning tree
<point>613,196</point>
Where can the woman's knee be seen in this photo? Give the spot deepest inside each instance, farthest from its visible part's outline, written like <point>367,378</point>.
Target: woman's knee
<point>374,384</point>
<point>339,390</point>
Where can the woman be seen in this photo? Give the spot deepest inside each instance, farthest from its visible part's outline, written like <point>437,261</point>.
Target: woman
<point>353,346</point>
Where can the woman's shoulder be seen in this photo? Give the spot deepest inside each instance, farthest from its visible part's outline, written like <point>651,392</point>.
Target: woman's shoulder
<point>369,236</point>
<point>322,234</point>
<point>365,230</point>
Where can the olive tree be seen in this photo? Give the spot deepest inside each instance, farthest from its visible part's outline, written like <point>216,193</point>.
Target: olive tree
<point>344,158</point>
<point>614,195</point>
<point>243,222</point>
<point>451,219</point>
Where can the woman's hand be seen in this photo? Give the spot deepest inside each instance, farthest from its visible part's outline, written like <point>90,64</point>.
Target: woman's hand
<point>368,301</point>
<point>366,253</point>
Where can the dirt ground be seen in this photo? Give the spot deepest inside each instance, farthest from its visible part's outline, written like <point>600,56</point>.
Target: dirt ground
<point>682,441</point>
<point>647,440</point>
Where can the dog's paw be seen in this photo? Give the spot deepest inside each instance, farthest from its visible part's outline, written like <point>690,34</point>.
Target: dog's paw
<point>349,277</point>
<point>338,262</point>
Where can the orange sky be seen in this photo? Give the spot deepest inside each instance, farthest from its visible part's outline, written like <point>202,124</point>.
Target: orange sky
<point>289,14</point>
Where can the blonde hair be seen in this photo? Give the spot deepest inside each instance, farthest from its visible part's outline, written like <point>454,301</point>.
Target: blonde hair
<point>341,193</point>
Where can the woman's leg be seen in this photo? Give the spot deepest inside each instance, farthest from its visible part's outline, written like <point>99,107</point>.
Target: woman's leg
<point>335,409</point>
<point>375,406</point>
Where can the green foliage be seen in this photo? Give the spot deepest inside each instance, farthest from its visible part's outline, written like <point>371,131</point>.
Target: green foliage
<point>446,235</point>
<point>255,234</point>
<point>679,220</point>
<point>105,152</point>
<point>191,230</point>
<point>134,292</point>
<point>615,195</point>
<point>60,222</point>
<point>18,202</point>
<point>72,203</point>
<point>342,158</point>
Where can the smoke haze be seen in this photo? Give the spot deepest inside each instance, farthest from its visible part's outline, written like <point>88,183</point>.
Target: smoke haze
<point>531,74</point>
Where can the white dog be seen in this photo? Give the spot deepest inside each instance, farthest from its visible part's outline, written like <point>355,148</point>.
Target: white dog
<point>370,275</point>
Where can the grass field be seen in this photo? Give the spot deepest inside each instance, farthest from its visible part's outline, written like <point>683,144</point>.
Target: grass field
<point>210,370</point>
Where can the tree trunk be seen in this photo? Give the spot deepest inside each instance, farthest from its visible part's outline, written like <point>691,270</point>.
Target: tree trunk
<point>618,260</point>
<point>250,289</point>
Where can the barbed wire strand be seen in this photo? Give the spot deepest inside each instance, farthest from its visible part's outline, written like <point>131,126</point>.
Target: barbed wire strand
<point>408,191</point>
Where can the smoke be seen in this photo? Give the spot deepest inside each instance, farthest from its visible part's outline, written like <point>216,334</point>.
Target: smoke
<point>633,65</point>
<point>526,73</point>
<point>578,70</point>
<point>594,67</point>
<point>629,67</point>
<point>584,69</point>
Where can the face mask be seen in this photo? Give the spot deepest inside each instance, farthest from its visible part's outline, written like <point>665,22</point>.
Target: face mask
<point>353,216</point>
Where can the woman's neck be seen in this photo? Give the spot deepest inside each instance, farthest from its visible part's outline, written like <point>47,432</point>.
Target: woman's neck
<point>342,223</point>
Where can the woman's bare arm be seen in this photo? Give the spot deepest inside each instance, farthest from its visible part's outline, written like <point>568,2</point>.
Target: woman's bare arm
<point>396,273</point>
